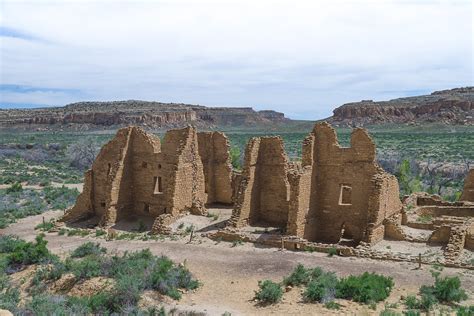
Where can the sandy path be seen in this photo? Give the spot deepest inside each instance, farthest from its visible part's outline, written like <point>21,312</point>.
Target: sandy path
<point>230,274</point>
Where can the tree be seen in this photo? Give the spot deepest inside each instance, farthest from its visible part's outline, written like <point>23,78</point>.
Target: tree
<point>82,154</point>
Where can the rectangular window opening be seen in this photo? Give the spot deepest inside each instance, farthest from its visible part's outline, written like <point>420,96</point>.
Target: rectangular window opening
<point>345,195</point>
<point>146,208</point>
<point>109,168</point>
<point>158,185</point>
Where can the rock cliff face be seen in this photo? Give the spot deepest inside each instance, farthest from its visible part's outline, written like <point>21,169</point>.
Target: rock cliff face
<point>454,106</point>
<point>85,115</point>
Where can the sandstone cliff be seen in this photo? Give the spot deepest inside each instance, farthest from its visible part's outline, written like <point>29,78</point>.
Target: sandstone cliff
<point>93,115</point>
<point>454,106</point>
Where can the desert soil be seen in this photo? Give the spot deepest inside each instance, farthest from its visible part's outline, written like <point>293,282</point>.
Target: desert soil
<point>230,274</point>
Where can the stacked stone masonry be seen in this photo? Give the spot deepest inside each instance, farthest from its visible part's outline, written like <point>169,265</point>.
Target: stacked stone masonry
<point>334,192</point>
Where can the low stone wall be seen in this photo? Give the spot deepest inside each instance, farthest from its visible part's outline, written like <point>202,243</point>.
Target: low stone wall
<point>460,211</point>
<point>299,244</point>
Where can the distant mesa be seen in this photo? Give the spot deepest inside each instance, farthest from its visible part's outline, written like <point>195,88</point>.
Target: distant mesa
<point>94,115</point>
<point>451,107</point>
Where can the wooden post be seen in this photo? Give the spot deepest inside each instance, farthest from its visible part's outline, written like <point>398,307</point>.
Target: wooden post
<point>419,260</point>
<point>43,222</point>
<point>282,243</point>
<point>191,235</point>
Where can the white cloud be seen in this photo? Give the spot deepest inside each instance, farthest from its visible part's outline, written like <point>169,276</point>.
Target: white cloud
<point>299,57</point>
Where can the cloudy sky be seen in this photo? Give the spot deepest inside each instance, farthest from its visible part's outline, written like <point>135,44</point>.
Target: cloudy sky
<point>300,57</point>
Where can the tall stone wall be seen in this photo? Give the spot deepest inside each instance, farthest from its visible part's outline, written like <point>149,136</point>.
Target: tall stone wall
<point>134,175</point>
<point>468,191</point>
<point>334,192</point>
<point>264,191</point>
<point>214,151</point>
<point>350,193</point>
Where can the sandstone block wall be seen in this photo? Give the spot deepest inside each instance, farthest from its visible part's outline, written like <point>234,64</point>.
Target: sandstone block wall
<point>135,175</point>
<point>350,194</point>
<point>334,192</point>
<point>263,193</point>
<point>468,191</point>
<point>214,151</point>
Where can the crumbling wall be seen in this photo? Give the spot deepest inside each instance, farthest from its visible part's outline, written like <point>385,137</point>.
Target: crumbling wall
<point>133,175</point>
<point>468,191</point>
<point>350,193</point>
<point>214,151</point>
<point>186,180</point>
<point>264,190</point>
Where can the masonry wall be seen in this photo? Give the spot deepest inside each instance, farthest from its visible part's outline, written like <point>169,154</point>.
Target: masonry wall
<point>214,151</point>
<point>134,175</point>
<point>264,191</point>
<point>468,191</point>
<point>350,194</point>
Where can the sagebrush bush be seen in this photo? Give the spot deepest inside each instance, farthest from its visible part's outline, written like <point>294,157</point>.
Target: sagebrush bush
<point>445,289</point>
<point>365,288</point>
<point>26,253</point>
<point>269,292</point>
<point>322,288</point>
<point>88,248</point>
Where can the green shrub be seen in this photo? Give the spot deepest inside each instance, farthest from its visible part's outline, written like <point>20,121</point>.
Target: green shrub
<point>88,248</point>
<point>445,289</point>
<point>365,288</point>
<point>332,251</point>
<point>15,187</point>
<point>85,268</point>
<point>321,288</point>
<point>8,243</point>
<point>412,302</point>
<point>465,310</point>
<point>26,253</point>
<point>411,312</point>
<point>299,276</point>
<point>269,292</point>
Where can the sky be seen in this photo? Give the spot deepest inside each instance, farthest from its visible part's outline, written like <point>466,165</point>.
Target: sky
<point>303,58</point>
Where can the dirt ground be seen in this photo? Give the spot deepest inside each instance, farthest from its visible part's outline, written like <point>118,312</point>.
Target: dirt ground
<point>230,273</point>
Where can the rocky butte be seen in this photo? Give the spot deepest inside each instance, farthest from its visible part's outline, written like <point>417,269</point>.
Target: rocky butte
<point>455,106</point>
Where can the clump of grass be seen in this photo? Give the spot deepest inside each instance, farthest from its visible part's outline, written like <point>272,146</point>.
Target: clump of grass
<point>236,243</point>
<point>46,226</point>
<point>332,251</point>
<point>424,218</point>
<point>100,232</point>
<point>269,292</point>
<point>332,305</point>
<point>78,232</point>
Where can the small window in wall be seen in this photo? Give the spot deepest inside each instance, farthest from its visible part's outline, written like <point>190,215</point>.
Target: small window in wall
<point>102,204</point>
<point>146,208</point>
<point>158,185</point>
<point>159,166</point>
<point>109,168</point>
<point>345,196</point>
<point>144,164</point>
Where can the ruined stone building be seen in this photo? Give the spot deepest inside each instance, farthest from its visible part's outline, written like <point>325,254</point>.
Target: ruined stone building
<point>334,192</point>
<point>136,174</point>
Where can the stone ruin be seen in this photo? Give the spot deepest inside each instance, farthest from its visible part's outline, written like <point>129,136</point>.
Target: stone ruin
<point>333,194</point>
<point>137,175</point>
